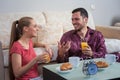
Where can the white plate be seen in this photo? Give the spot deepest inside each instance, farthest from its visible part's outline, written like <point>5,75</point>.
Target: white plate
<point>101,69</point>
<point>67,71</point>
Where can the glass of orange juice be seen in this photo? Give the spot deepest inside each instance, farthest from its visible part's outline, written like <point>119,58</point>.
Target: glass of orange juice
<point>47,58</point>
<point>84,45</point>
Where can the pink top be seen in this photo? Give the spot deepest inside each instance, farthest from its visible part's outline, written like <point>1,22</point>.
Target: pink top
<point>27,55</point>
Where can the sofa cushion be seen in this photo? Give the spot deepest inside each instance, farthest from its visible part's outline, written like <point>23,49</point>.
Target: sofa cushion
<point>53,17</point>
<point>38,16</point>
<point>117,24</point>
<point>112,45</point>
<point>38,51</point>
<point>5,28</point>
<point>50,34</point>
<point>61,18</point>
<point>64,18</point>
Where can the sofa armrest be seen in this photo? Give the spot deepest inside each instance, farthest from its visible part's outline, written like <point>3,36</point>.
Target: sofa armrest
<point>2,70</point>
<point>109,31</point>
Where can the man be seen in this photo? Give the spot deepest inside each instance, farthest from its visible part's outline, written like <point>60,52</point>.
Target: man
<point>70,43</point>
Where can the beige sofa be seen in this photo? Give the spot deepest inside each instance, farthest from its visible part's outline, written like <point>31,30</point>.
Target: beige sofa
<point>54,24</point>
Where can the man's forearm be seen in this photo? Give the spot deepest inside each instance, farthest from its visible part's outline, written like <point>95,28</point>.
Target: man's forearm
<point>60,57</point>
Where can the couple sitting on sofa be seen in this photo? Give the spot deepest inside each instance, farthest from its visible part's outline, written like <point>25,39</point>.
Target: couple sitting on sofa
<point>23,60</point>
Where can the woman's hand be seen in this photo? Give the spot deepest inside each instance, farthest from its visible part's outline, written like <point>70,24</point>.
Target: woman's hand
<point>49,51</point>
<point>43,58</point>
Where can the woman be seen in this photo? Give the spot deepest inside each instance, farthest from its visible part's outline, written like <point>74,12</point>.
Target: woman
<point>23,60</point>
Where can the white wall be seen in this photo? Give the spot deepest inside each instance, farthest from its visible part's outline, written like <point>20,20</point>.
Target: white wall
<point>106,11</point>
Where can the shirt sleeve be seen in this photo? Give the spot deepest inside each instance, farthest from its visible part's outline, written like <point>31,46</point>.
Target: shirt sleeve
<point>100,48</point>
<point>15,49</point>
<point>64,58</point>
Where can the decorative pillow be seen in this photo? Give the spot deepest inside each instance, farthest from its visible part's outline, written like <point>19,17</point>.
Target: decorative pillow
<point>5,28</point>
<point>112,45</point>
<point>67,27</point>
<point>117,24</point>
<point>64,18</point>
<point>56,17</point>
<point>37,16</point>
<point>39,50</point>
<point>50,34</point>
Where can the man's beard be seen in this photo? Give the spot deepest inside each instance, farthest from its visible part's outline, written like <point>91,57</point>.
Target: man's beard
<point>78,30</point>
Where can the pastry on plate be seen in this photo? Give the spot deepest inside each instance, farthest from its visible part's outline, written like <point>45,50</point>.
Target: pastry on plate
<point>65,66</point>
<point>101,64</point>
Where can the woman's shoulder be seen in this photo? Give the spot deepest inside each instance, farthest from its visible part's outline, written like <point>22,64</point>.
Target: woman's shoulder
<point>16,44</point>
<point>16,47</point>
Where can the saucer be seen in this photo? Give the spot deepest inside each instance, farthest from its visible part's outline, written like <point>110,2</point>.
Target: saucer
<point>66,71</point>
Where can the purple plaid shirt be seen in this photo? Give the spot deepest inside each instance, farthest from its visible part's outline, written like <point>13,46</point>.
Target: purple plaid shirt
<point>94,39</point>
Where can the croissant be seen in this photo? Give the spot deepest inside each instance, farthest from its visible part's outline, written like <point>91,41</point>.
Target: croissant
<point>65,66</point>
<point>101,64</point>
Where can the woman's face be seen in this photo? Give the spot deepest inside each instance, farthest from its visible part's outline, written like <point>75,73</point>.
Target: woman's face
<point>32,29</point>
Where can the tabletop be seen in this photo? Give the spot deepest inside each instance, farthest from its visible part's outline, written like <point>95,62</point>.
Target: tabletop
<point>110,72</point>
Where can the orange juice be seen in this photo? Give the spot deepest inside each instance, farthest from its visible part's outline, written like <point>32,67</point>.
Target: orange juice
<point>84,45</point>
<point>47,57</point>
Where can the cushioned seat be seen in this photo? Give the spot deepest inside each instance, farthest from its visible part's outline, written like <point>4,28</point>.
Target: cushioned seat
<point>2,70</point>
<point>117,24</point>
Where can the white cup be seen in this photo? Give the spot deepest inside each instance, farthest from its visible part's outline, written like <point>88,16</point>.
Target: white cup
<point>75,61</point>
<point>111,58</point>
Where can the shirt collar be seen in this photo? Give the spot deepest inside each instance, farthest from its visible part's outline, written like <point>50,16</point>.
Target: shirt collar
<point>90,31</point>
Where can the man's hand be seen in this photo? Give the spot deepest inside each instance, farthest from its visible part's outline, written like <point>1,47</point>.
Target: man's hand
<point>88,51</point>
<point>63,47</point>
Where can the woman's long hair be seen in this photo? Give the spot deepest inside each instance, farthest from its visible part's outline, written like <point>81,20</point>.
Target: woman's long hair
<point>16,33</point>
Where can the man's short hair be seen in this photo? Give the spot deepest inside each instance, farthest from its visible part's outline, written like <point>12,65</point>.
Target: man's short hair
<point>82,11</point>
